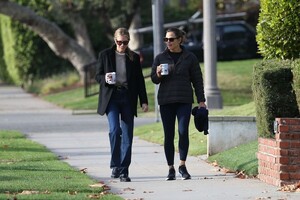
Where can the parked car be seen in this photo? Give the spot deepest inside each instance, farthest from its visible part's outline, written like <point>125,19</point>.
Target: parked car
<point>234,40</point>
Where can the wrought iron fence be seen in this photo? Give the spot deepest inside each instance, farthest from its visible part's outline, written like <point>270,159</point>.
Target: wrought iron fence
<point>91,87</point>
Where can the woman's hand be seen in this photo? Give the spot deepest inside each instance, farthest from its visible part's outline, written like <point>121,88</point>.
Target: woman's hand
<point>202,104</point>
<point>158,71</point>
<point>145,107</point>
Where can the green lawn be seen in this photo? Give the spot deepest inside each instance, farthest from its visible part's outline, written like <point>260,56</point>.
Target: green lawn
<point>241,158</point>
<point>29,171</point>
<point>243,110</point>
<point>235,80</point>
<point>73,99</point>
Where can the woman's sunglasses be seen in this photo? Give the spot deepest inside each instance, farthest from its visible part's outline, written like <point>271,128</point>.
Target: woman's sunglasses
<point>169,39</point>
<point>122,42</point>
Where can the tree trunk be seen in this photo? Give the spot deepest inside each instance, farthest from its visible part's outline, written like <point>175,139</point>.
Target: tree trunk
<point>136,39</point>
<point>81,33</point>
<point>61,44</point>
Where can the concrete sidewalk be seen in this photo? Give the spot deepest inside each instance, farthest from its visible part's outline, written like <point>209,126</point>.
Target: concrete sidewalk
<point>82,141</point>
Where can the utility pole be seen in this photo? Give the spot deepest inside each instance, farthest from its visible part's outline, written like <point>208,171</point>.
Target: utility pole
<point>212,92</point>
<point>157,20</point>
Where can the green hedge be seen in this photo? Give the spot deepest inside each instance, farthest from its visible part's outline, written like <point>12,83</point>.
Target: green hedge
<point>8,53</point>
<point>4,76</point>
<point>278,29</point>
<point>296,73</point>
<point>273,94</point>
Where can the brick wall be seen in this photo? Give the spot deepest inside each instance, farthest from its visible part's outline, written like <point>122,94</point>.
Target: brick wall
<point>279,158</point>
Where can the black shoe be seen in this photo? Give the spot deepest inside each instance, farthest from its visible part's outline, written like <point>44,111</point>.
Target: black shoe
<point>172,174</point>
<point>124,178</point>
<point>115,173</point>
<point>184,173</point>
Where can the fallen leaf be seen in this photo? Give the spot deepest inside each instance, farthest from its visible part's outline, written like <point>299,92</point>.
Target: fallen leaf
<point>104,193</point>
<point>264,198</point>
<point>63,158</point>
<point>29,192</point>
<point>228,170</point>
<point>46,192</point>
<point>215,163</point>
<point>291,188</point>
<point>72,192</point>
<point>95,196</point>
<point>241,175</point>
<point>136,199</point>
<point>128,189</point>
<point>96,185</point>
<point>84,170</point>
<point>106,187</point>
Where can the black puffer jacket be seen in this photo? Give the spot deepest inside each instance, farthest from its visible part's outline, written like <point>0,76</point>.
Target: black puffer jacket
<point>177,87</point>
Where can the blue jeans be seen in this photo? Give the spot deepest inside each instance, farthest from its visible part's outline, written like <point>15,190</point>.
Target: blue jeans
<point>168,113</point>
<point>120,132</point>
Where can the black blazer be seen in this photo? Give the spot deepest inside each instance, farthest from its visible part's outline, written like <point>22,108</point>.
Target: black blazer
<point>136,83</point>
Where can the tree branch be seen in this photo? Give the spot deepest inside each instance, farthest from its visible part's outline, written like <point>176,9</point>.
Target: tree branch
<point>60,43</point>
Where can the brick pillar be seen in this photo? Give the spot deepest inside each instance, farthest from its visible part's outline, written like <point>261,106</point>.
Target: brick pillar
<point>279,158</point>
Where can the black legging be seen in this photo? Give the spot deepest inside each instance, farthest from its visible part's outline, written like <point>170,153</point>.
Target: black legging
<point>168,113</point>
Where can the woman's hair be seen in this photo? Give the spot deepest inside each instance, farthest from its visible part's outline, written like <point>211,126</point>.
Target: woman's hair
<point>123,32</point>
<point>178,33</point>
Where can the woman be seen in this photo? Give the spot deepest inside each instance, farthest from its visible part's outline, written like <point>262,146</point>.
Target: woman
<point>175,96</point>
<point>118,99</point>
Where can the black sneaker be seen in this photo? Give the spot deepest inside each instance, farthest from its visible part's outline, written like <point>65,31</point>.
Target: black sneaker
<point>115,173</point>
<point>124,178</point>
<point>172,174</point>
<point>184,173</point>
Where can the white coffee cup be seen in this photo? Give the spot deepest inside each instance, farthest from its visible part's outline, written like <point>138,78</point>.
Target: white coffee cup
<point>110,78</point>
<point>164,69</point>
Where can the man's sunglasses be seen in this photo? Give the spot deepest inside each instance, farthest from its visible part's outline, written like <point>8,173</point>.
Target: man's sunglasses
<point>122,42</point>
<point>169,39</point>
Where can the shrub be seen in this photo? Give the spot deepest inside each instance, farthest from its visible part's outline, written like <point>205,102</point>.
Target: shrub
<point>8,53</point>
<point>4,76</point>
<point>273,94</point>
<point>278,29</point>
<point>26,55</point>
<point>296,85</point>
